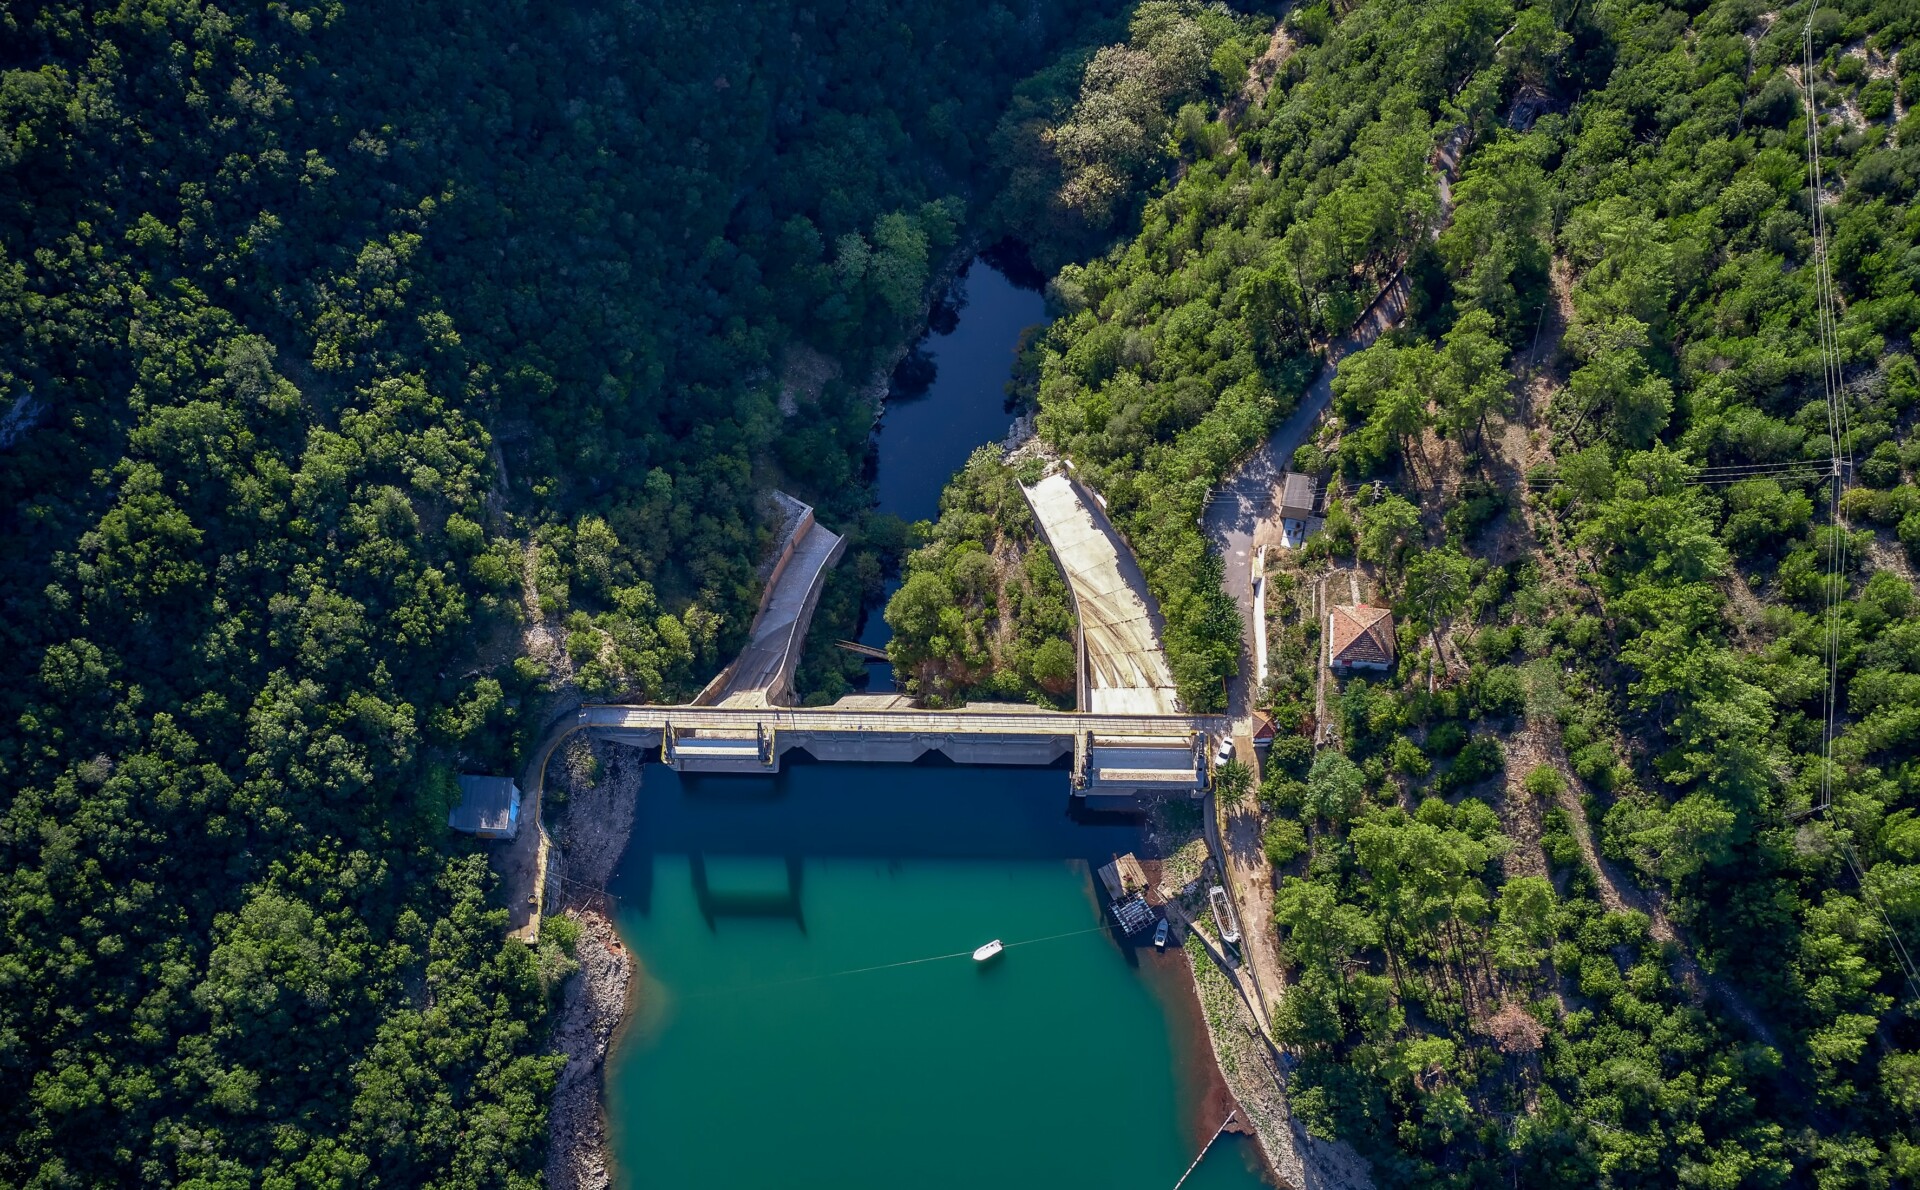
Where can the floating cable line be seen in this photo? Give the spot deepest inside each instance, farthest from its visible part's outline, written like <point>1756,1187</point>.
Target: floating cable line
<point>933,958</point>
<point>1203,1148</point>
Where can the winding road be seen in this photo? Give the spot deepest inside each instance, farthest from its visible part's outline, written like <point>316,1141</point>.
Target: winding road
<point>1243,512</point>
<point>1242,515</point>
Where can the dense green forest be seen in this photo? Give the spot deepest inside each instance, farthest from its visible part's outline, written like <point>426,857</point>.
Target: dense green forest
<point>1575,895</point>
<point>983,611</point>
<point>1082,149</point>
<point>338,341</point>
<point>323,330</point>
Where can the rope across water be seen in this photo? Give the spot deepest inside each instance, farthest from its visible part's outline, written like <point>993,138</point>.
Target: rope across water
<point>958,954</point>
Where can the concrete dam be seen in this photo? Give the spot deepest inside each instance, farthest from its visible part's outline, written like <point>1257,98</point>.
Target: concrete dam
<point>1112,754</point>
<point>1134,741</point>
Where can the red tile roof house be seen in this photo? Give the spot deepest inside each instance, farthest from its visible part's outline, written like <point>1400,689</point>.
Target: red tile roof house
<point>1359,637</point>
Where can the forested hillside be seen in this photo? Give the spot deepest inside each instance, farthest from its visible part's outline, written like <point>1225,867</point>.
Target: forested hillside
<point>322,327</point>
<point>1574,895</point>
<point>982,611</point>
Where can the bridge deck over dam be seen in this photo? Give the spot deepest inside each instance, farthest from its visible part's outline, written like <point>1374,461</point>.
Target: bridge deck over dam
<point>1112,753</point>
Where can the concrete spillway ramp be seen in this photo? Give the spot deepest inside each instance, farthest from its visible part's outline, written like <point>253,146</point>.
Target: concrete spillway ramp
<point>1125,664</point>
<point>763,673</point>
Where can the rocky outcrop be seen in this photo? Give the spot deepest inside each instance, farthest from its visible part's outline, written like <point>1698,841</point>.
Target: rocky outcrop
<point>593,1003</point>
<point>601,783</point>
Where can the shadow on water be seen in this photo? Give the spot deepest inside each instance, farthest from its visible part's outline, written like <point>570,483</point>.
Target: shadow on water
<point>948,394</point>
<point>932,809</point>
<point>718,902</point>
<point>927,810</point>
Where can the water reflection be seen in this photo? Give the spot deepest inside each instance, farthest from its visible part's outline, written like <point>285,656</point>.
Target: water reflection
<point>949,393</point>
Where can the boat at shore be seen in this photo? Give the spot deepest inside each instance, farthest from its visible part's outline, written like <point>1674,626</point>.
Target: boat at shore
<point>1160,935</point>
<point>1223,915</point>
<point>988,951</point>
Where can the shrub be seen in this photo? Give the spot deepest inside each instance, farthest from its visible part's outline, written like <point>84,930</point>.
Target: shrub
<point>1499,693</point>
<point>1480,759</point>
<point>1231,783</point>
<point>1284,841</point>
<point>1556,839</point>
<point>1445,739</point>
<point>1594,764</point>
<point>1494,644</point>
<point>1876,99</point>
<point>1282,792</point>
<point>1408,760</point>
<point>561,930</point>
<point>1544,782</point>
<point>1291,755</point>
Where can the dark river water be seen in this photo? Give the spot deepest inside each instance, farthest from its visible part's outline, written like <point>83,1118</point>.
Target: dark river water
<point>926,433</point>
<point>947,399</point>
<point>807,1012</point>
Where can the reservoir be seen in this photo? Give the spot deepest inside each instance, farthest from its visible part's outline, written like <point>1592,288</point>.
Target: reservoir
<point>807,1011</point>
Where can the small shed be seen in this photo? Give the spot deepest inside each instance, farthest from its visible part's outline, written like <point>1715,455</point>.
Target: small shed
<point>489,807</point>
<point>1297,496</point>
<point>1359,637</point>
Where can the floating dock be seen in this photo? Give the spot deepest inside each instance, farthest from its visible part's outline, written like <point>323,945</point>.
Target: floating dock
<point>1123,876</point>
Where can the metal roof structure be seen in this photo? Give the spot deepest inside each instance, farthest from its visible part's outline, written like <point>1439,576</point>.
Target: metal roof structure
<point>489,807</point>
<point>1297,496</point>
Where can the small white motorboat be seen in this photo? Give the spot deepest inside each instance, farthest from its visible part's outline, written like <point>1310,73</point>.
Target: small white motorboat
<point>1160,935</point>
<point>988,951</point>
<point>1223,916</point>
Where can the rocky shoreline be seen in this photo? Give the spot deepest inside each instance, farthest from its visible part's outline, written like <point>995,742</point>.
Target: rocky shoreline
<point>600,783</point>
<point>594,1003</point>
<point>1248,1063</point>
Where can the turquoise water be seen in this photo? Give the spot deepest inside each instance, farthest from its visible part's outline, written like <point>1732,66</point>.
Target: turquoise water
<point>793,1027</point>
<point>775,1043</point>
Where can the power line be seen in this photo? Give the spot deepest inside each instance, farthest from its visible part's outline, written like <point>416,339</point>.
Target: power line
<point>1704,475</point>
<point>1838,421</point>
<point>1900,952</point>
<point>1840,431</point>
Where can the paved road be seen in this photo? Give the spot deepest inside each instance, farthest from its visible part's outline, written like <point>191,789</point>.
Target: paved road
<point>764,671</point>
<point>1241,513</point>
<point>745,720</point>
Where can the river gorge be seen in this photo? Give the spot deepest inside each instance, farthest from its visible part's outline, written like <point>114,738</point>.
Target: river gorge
<point>806,1012</point>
